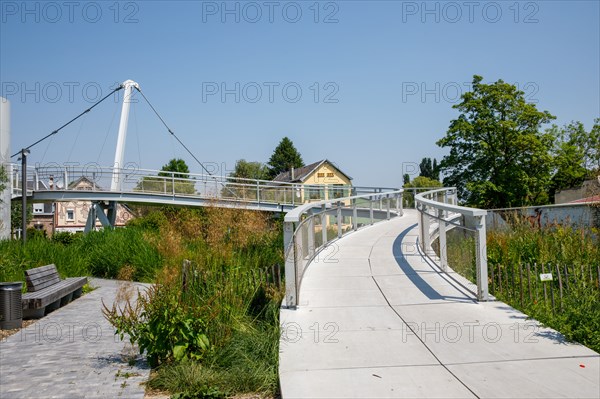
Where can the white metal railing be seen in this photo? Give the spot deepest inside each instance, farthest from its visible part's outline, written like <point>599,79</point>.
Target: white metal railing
<point>438,213</point>
<point>309,229</point>
<point>52,177</point>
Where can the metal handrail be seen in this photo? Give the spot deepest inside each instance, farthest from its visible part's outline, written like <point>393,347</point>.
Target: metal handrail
<point>299,253</point>
<point>137,180</point>
<point>441,204</point>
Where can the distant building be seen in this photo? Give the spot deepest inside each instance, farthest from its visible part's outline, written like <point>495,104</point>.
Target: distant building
<point>588,192</point>
<point>325,179</point>
<point>71,216</point>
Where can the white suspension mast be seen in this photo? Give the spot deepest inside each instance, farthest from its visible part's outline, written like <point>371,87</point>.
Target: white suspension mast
<point>117,178</point>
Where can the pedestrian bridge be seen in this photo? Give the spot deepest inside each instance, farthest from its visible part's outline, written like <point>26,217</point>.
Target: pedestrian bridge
<point>375,313</point>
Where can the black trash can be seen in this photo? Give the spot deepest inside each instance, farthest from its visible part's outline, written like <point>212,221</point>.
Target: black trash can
<point>11,307</point>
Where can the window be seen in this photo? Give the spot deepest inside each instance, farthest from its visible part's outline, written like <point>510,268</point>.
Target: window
<point>38,208</point>
<point>330,174</point>
<point>315,193</point>
<point>320,174</point>
<point>338,191</point>
<point>70,215</point>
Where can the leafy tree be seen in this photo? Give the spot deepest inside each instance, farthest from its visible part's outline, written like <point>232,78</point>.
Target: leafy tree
<point>419,184</point>
<point>284,157</point>
<point>498,156</point>
<point>16,216</point>
<point>591,149</point>
<point>405,179</point>
<point>168,182</point>
<point>569,156</point>
<point>175,165</point>
<point>250,170</point>
<point>429,169</point>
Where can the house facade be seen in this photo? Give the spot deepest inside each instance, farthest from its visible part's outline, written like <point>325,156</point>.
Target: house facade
<point>72,216</point>
<point>318,181</point>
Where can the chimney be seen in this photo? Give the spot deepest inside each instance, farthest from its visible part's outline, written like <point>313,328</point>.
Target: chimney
<point>292,173</point>
<point>51,182</point>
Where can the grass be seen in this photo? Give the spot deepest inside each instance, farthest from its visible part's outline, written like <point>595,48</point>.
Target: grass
<point>100,254</point>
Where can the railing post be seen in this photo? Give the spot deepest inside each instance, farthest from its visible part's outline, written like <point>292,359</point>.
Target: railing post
<point>426,236</point>
<point>400,201</point>
<point>173,183</point>
<point>481,259</point>
<point>371,209</point>
<point>387,200</point>
<point>339,219</point>
<point>324,224</point>
<point>291,291</point>
<point>258,191</point>
<point>354,215</point>
<point>442,241</point>
<point>310,225</point>
<point>66,177</point>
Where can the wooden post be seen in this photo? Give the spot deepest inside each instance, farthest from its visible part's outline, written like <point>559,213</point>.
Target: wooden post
<point>185,275</point>
<point>521,284</point>
<point>560,287</point>
<point>500,277</point>
<point>529,282</point>
<point>545,291</point>
<point>535,278</point>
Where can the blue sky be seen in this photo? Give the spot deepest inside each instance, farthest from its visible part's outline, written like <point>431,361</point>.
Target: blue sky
<point>367,84</point>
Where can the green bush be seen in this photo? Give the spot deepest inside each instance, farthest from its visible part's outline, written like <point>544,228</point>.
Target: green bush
<point>163,327</point>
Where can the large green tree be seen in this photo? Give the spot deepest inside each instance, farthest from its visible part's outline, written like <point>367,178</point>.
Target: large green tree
<point>250,170</point>
<point>175,165</point>
<point>418,185</point>
<point>173,178</point>
<point>284,157</point>
<point>569,156</point>
<point>498,157</point>
<point>429,169</point>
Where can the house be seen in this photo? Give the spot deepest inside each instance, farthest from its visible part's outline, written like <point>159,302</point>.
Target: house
<point>320,180</point>
<point>587,192</point>
<point>71,216</point>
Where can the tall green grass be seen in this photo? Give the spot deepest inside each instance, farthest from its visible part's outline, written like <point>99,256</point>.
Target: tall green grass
<point>522,250</point>
<point>227,285</point>
<point>100,254</point>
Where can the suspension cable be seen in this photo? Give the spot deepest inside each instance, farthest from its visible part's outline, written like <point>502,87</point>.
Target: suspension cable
<point>71,121</point>
<point>173,133</point>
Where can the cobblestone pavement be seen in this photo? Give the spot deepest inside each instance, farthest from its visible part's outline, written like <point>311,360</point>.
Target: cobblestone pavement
<point>73,353</point>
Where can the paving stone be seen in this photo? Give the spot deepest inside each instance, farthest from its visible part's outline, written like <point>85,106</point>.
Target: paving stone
<point>71,353</point>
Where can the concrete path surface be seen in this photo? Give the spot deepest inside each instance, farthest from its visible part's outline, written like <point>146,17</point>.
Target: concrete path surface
<point>72,353</point>
<point>383,321</point>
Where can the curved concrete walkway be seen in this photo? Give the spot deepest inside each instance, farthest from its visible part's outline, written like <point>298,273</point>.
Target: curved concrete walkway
<point>384,322</point>
<point>73,353</point>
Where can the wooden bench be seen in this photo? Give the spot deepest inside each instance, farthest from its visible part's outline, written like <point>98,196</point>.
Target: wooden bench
<point>47,292</point>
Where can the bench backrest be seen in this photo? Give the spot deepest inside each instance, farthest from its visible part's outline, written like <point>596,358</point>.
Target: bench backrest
<point>41,277</point>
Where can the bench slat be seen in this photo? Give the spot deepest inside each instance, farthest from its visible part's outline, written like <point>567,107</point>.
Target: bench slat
<point>40,279</point>
<point>38,270</point>
<point>43,284</point>
<point>44,297</point>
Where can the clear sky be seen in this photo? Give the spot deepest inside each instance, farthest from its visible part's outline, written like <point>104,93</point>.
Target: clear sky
<point>367,84</point>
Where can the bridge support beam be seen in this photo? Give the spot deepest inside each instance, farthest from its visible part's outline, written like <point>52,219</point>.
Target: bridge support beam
<point>97,213</point>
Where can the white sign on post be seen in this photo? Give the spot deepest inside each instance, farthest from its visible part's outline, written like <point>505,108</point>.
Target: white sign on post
<point>545,276</point>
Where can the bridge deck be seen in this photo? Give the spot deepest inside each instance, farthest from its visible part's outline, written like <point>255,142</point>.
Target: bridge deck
<point>383,322</point>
